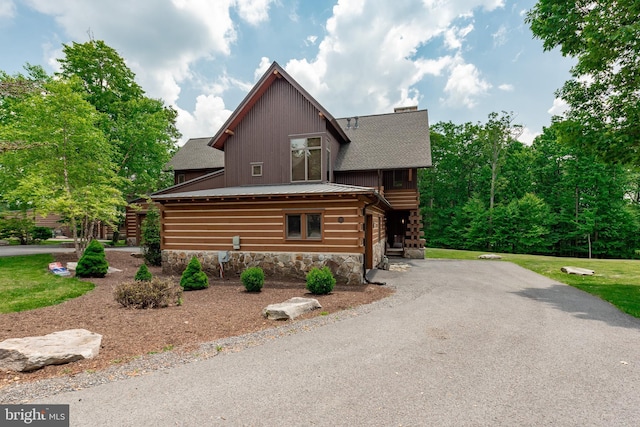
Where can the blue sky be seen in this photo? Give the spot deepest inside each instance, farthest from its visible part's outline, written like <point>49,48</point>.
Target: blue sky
<point>460,59</point>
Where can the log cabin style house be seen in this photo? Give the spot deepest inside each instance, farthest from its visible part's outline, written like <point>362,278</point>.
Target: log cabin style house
<point>285,186</point>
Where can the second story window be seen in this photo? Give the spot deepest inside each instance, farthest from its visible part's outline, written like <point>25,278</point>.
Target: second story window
<point>306,159</point>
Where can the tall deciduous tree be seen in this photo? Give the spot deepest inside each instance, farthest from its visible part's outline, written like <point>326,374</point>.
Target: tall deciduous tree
<point>68,168</point>
<point>604,93</point>
<point>140,129</point>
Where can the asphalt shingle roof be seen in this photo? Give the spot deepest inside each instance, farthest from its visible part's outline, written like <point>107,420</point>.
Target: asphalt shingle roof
<point>196,154</point>
<point>386,141</point>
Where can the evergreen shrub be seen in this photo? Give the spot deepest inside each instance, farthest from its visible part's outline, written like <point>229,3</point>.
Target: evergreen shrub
<point>320,281</point>
<point>143,273</point>
<point>193,278</point>
<point>252,279</point>
<point>93,262</point>
<point>154,293</point>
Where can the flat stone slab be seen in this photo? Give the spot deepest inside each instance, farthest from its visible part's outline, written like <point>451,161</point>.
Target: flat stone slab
<point>489,256</point>
<point>291,308</point>
<point>577,270</point>
<point>31,353</point>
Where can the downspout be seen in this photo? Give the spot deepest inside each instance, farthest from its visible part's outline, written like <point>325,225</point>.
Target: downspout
<point>364,260</point>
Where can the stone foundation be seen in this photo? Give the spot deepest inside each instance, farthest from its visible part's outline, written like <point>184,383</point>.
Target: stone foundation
<point>346,268</point>
<point>414,253</point>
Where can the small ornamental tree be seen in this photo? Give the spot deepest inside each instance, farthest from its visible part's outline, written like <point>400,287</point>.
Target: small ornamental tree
<point>93,262</point>
<point>150,241</point>
<point>143,274</point>
<point>252,279</point>
<point>320,281</point>
<point>193,278</point>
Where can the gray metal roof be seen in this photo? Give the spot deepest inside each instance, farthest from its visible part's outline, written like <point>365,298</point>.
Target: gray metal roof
<point>271,190</point>
<point>386,141</point>
<point>197,154</point>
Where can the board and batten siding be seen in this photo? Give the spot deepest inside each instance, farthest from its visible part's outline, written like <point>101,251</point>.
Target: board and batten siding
<point>211,226</point>
<point>263,137</point>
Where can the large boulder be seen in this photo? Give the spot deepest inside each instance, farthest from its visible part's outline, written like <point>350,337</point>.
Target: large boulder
<point>31,353</point>
<point>291,308</point>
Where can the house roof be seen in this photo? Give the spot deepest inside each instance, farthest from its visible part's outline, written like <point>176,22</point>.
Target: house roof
<point>196,154</point>
<point>316,189</point>
<point>274,72</point>
<point>385,141</point>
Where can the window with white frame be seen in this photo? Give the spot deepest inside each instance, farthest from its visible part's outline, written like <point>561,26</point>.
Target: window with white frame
<point>256,169</point>
<point>306,159</point>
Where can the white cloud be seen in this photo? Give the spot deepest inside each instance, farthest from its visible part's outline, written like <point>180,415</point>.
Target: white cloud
<point>253,11</point>
<point>558,108</point>
<point>209,114</point>
<point>265,63</point>
<point>7,9</point>
<point>500,36</point>
<point>506,87</point>
<point>465,85</point>
<point>311,40</point>
<point>527,136</point>
<point>379,71</point>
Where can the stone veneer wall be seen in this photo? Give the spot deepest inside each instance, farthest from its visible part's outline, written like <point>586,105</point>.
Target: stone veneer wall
<point>346,268</point>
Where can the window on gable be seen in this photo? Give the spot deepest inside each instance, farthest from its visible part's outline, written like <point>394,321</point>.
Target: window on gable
<point>181,178</point>
<point>306,159</point>
<point>304,226</point>
<point>256,169</point>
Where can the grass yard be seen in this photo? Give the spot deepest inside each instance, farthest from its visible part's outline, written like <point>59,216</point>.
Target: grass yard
<point>25,284</point>
<point>615,281</point>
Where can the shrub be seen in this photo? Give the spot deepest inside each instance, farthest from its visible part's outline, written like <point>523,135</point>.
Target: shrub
<point>193,278</point>
<point>252,279</point>
<point>41,233</point>
<point>93,262</point>
<point>150,233</point>
<point>143,274</point>
<point>155,293</point>
<point>320,281</point>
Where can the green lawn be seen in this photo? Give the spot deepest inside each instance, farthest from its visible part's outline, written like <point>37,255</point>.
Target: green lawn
<point>25,284</point>
<point>616,281</point>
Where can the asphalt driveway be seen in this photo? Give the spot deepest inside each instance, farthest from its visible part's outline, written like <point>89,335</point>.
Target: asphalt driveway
<point>463,343</point>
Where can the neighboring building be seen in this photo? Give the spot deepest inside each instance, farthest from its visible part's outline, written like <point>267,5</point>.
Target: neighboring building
<point>298,189</point>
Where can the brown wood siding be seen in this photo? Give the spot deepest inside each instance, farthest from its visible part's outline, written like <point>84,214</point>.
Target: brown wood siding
<point>379,232</point>
<point>263,136</point>
<point>406,178</point>
<point>190,174</point>
<point>362,178</point>
<point>216,181</point>
<point>260,225</point>
<point>402,199</point>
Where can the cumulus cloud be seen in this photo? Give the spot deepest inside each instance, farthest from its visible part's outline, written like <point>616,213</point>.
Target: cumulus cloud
<point>379,71</point>
<point>506,87</point>
<point>558,108</point>
<point>465,85</point>
<point>209,114</point>
<point>527,136</point>
<point>7,9</point>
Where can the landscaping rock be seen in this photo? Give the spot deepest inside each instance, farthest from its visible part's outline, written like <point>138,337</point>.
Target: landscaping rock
<point>489,256</point>
<point>4,243</point>
<point>291,308</point>
<point>31,353</point>
<point>577,270</point>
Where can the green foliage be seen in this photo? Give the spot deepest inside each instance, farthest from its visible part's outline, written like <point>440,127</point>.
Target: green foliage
<point>143,274</point>
<point>17,228</point>
<point>154,293</point>
<point>41,233</point>
<point>252,279</point>
<point>66,166</point>
<point>150,234</point>
<point>193,278</point>
<point>25,284</point>
<point>603,93</point>
<point>93,262</point>
<point>141,130</point>
<point>320,281</point>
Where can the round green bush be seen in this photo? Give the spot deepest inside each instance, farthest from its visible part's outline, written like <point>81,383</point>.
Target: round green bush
<point>93,262</point>
<point>143,274</point>
<point>320,281</point>
<point>193,278</point>
<point>252,279</point>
